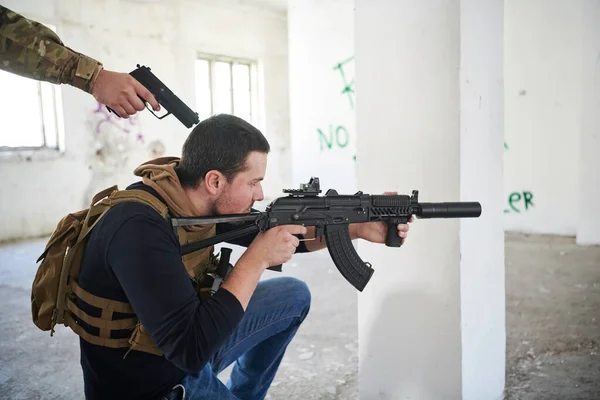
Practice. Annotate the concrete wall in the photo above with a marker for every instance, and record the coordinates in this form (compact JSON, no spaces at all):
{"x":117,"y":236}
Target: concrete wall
{"x":542,"y":115}
{"x":101,"y":151}
{"x":543,"y":92}
{"x":588,"y":228}
{"x":542,"y":105}
{"x":322,"y":98}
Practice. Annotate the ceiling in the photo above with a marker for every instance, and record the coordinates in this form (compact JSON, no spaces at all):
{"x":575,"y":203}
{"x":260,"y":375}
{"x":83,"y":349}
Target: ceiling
{"x":279,"y":6}
{"x":276,"y":5}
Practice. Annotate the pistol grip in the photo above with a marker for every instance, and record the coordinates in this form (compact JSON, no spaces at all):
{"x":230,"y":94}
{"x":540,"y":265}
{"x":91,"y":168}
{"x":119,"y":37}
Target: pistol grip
{"x":112,"y":111}
{"x":277,"y":268}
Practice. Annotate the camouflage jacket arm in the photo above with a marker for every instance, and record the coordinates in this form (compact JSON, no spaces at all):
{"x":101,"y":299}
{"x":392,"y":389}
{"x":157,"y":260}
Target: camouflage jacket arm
{"x":32,"y":50}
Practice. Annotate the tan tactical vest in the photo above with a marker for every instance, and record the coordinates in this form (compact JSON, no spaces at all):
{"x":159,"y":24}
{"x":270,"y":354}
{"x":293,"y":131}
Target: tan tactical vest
{"x":55,"y":288}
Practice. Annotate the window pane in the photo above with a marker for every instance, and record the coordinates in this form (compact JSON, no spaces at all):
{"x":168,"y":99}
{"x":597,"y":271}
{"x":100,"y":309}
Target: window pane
{"x":20,"y":112}
{"x":48,"y":111}
{"x":222,"y":88}
{"x":241,"y":91}
{"x":203,"y":103}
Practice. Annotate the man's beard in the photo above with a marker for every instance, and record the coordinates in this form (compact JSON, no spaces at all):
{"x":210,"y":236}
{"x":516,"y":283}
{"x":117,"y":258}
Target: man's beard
{"x":214,"y":209}
{"x":215,"y":212}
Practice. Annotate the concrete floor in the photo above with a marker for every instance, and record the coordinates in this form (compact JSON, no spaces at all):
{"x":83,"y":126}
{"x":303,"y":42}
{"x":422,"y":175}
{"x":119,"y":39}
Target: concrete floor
{"x":553,"y":328}
{"x":553,"y":319}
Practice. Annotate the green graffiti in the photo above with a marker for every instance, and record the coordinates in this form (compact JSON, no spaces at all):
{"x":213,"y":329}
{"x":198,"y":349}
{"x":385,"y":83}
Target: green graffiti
{"x":337,"y":137}
{"x":348,"y":84}
{"x":519,"y":201}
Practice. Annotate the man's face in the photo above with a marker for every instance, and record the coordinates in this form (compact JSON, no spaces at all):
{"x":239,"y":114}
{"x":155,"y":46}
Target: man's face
{"x":239,"y":195}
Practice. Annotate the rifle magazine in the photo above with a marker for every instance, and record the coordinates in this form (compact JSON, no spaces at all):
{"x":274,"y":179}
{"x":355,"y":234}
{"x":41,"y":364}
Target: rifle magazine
{"x":345,"y":257}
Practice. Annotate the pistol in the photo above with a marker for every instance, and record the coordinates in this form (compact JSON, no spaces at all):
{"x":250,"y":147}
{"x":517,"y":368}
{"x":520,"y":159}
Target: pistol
{"x":165,"y":97}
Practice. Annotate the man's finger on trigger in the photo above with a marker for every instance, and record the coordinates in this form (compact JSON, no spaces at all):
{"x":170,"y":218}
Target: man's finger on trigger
{"x":146,"y":95}
{"x":296,"y":229}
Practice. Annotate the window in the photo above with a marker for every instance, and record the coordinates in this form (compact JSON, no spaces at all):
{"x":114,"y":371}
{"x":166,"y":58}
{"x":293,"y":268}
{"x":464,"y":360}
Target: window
{"x":226,"y":85}
{"x":31,"y":114}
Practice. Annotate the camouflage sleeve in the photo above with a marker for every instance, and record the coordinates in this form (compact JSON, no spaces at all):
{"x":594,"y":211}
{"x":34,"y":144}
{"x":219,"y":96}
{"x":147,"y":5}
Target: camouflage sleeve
{"x":32,"y":50}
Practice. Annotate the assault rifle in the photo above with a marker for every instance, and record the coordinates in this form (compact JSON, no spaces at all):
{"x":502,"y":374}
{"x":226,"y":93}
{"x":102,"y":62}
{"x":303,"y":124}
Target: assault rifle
{"x":165,"y":97}
{"x":331,"y":215}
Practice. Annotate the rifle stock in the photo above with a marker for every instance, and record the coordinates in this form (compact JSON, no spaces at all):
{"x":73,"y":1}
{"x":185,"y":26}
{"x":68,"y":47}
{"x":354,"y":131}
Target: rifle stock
{"x":331,"y":216}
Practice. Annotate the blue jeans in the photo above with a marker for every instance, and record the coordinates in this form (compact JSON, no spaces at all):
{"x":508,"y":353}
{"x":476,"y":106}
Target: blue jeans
{"x":274,"y":314}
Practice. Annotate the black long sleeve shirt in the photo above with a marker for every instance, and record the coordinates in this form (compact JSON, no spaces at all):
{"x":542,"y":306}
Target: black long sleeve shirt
{"x":133,"y":256}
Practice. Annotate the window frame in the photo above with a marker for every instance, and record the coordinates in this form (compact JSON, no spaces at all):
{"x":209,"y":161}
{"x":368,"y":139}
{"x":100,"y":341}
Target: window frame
{"x":53,"y":94}
{"x":253,"y":78}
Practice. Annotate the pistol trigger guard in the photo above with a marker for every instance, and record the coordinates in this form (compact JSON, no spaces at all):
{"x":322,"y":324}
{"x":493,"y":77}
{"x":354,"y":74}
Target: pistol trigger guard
{"x":152,"y":111}
{"x":147,"y":108}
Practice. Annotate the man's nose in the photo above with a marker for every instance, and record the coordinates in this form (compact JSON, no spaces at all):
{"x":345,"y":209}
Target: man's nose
{"x":259,"y":196}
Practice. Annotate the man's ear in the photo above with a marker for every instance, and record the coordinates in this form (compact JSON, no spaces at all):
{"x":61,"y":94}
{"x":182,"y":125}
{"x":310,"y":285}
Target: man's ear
{"x":214,"y":182}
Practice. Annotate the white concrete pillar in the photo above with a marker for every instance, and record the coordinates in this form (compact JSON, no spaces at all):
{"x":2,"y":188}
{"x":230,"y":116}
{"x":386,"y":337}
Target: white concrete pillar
{"x":322,"y":115}
{"x":588,"y":229}
{"x":429,"y":117}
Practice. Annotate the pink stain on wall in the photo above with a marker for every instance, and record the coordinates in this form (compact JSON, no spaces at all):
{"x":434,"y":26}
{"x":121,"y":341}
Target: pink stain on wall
{"x":126,"y":125}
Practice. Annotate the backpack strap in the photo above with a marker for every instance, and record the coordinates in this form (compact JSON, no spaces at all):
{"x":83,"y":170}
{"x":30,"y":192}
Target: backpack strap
{"x":99,"y":302}
{"x":97,"y":208}
{"x":141,"y":196}
{"x":111,"y":196}
{"x":73,"y":257}
{"x":63,"y":230}
{"x":93,"y":339}
{"x":141,"y":340}
{"x":101,"y":203}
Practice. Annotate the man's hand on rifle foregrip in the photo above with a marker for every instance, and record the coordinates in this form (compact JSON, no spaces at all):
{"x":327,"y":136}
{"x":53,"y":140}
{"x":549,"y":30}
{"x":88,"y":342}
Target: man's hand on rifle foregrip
{"x":376,"y":232}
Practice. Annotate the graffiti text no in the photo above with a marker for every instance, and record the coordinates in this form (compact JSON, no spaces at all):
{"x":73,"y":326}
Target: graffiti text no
{"x":337,"y":136}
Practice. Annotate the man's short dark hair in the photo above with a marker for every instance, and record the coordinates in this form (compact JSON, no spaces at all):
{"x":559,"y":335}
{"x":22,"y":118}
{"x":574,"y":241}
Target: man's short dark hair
{"x":221,"y":142}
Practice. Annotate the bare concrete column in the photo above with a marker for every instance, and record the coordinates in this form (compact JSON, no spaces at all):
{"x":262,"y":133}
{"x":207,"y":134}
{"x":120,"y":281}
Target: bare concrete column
{"x":429,"y":117}
{"x":588,"y":229}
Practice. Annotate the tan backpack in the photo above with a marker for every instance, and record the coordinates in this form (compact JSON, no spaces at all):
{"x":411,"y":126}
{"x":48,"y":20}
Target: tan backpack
{"x":55,"y":288}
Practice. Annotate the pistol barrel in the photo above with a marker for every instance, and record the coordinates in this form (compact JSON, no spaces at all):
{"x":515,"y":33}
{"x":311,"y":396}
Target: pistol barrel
{"x":166,"y":98}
